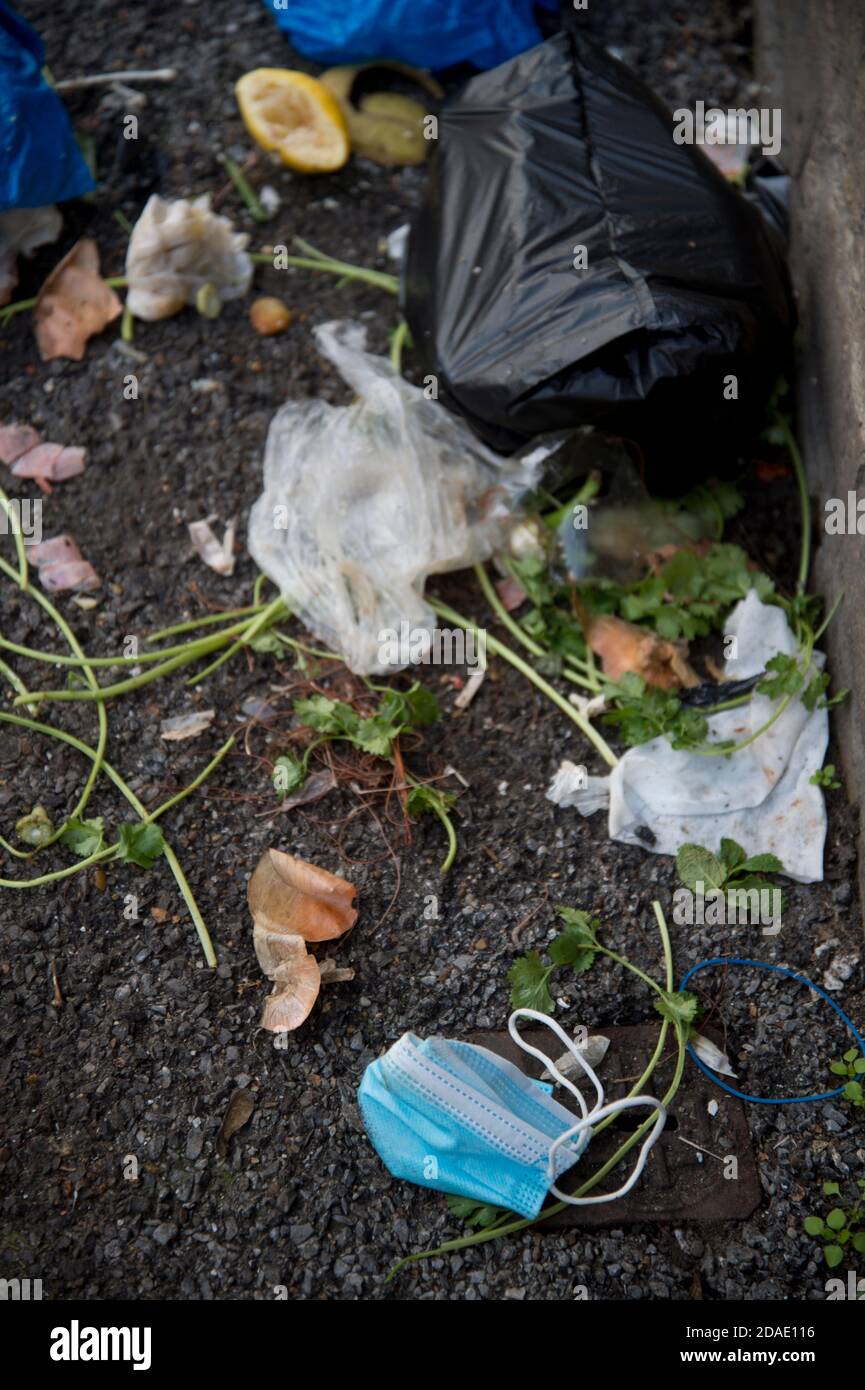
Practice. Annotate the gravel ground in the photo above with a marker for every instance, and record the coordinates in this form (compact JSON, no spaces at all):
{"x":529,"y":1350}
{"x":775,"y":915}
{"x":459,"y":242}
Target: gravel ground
{"x":148,"y":1046}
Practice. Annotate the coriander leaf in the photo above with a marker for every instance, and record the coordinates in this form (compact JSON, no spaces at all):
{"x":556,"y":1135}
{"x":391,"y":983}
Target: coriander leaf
{"x":580,"y":922}
{"x":528,"y":979}
{"x":141,"y":843}
{"x":421,"y":706}
{"x":689,"y":729}
{"x":728,"y":498}
{"x":266,"y":642}
{"x":643,"y":712}
{"x":327,"y":716}
{"x":682,"y":577}
{"x":695,"y":864}
{"x":479,"y":1214}
{"x":318,"y":712}
{"x":375,"y":735}
{"x":532,"y":574}
{"x":577,"y":944}
{"x":814,"y":691}
{"x":564,"y":950}
{"x":837,"y":699}
{"x":84,"y":837}
{"x":814,"y":696}
{"x":784,"y":677}
{"x":426,"y":798}
{"x":569,"y":948}
{"x":289,"y":773}
{"x":681,"y":1008}
{"x":825,"y":777}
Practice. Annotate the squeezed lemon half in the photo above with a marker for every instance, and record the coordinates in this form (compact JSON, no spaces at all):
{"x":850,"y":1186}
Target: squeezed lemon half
{"x":297,"y":116}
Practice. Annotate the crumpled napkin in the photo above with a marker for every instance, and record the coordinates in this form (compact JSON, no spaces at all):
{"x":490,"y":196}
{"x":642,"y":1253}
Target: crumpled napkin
{"x":660,"y":798}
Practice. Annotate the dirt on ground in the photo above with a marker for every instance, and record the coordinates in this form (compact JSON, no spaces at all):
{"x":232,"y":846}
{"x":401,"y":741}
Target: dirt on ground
{"x":113,"y":1184}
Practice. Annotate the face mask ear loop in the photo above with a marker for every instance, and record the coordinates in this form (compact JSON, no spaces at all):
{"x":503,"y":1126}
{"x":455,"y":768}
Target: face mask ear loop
{"x":615,"y":1106}
{"x":551,"y":1066}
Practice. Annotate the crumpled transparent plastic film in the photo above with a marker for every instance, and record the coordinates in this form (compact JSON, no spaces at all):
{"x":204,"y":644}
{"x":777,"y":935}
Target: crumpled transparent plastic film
{"x":362,"y":502}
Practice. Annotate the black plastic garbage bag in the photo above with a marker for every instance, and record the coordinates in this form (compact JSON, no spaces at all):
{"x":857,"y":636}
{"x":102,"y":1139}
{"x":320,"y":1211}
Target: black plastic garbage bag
{"x":686,"y":284}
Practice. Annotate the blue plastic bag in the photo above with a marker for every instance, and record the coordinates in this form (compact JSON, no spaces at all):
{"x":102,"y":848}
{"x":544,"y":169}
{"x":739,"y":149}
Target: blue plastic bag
{"x":39,"y":160}
{"x":426,"y":33}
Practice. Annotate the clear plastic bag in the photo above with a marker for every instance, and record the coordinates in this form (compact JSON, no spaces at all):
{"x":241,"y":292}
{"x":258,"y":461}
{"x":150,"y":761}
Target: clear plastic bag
{"x":362,"y":502}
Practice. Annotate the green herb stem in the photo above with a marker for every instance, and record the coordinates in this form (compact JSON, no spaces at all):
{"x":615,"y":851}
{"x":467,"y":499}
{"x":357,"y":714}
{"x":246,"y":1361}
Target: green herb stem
{"x":30,"y":700}
{"x":440,"y":811}
{"x":272,"y":613}
{"x":245,"y":190}
{"x":126,"y":790}
{"x":193,"y":623}
{"x":499,"y":649}
{"x":517,"y":630}
{"x":708,"y":751}
{"x":400,"y":334}
{"x":23,"y":577}
{"x":316,"y":260}
{"x":96,"y":662}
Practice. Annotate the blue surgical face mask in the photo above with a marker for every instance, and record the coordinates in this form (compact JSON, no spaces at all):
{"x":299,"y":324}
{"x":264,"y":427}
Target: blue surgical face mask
{"x":460,"y":1119}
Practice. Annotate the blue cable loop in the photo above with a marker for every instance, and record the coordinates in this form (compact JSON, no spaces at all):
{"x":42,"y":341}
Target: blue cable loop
{"x":800,"y":980}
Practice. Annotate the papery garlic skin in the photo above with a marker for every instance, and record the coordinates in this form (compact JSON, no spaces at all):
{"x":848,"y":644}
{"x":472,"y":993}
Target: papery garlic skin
{"x":177,"y":247}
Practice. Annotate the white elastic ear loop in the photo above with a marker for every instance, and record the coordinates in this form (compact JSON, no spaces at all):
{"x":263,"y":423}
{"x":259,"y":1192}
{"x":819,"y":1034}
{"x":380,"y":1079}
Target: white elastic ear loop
{"x":551,"y":1066}
{"x":628,"y":1103}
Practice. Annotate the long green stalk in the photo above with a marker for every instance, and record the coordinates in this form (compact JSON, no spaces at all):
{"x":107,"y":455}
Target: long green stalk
{"x":245,"y":190}
{"x":446,"y":821}
{"x":272,"y":613}
{"x":517,"y":630}
{"x":29,"y":700}
{"x":317,"y":260}
{"x":98,"y":662}
{"x":400,"y":334}
{"x":499,"y":649}
{"x":21,"y":549}
{"x":145,"y":815}
{"x":190,"y":651}
{"x":17,"y":684}
{"x":192,"y":623}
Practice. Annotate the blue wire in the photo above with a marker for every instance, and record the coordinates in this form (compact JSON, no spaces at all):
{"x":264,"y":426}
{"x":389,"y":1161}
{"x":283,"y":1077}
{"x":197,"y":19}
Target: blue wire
{"x":800,"y":980}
